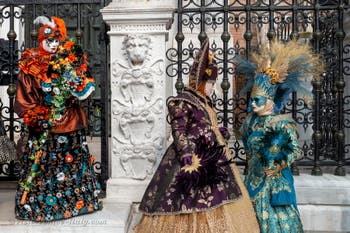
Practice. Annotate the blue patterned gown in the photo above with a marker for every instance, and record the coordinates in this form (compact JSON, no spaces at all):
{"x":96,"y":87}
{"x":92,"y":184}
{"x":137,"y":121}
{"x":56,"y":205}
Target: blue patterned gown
{"x":269,"y":140}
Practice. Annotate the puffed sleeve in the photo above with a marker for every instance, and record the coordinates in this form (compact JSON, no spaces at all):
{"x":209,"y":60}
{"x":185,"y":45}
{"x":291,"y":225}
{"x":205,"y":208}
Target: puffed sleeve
{"x":283,"y":146}
{"x":294,"y":146}
{"x":179,"y":112}
{"x":26,"y":95}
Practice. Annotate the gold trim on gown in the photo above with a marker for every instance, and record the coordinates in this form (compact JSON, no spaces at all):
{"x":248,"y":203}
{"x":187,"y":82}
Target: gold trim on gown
{"x":234,"y":217}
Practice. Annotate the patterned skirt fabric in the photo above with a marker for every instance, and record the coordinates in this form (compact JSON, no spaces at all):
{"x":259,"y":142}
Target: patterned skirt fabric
{"x":276,"y":219}
{"x":233,"y":217}
{"x":65,"y":185}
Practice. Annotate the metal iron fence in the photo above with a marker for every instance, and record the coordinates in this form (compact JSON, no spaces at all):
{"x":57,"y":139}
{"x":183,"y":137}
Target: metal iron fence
{"x":84,"y":22}
{"x":236,"y":28}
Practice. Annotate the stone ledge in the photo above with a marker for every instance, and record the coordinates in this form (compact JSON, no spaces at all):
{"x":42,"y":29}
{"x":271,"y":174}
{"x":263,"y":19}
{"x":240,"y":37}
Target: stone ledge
{"x":325,"y":218}
{"x":327,"y":189}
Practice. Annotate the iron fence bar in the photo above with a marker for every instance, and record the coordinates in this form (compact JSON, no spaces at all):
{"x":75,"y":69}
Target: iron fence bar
{"x":225,"y":84}
{"x":56,"y":9}
{"x":79,"y":33}
{"x":202,"y":34}
{"x":248,"y":34}
{"x":11,"y":90}
{"x":340,"y":84}
{"x":294,"y":36}
{"x":294,"y":167}
{"x":179,"y":38}
{"x":317,"y":136}
{"x":34,"y":32}
{"x":271,"y":33}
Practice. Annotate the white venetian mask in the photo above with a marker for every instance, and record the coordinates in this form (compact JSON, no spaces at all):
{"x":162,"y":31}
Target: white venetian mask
{"x":50,"y":45}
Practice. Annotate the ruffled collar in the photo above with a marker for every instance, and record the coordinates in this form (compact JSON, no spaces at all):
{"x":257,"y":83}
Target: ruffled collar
{"x":35,"y":62}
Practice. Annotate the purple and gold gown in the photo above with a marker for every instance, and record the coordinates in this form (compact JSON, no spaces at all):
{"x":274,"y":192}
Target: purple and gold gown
{"x":223,"y":207}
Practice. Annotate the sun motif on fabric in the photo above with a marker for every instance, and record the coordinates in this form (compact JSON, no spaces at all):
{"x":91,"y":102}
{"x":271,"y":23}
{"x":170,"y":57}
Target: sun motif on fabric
{"x":193,"y":167}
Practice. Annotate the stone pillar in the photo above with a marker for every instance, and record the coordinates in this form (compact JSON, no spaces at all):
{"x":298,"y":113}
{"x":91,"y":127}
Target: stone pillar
{"x":138,"y":34}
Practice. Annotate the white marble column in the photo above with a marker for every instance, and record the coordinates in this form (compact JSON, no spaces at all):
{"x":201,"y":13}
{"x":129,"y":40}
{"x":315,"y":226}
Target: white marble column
{"x":138,"y":34}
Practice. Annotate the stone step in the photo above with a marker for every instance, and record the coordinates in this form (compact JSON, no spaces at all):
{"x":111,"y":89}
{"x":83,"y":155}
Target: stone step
{"x":327,"y":189}
{"x":111,"y":219}
{"x":324,"y":204}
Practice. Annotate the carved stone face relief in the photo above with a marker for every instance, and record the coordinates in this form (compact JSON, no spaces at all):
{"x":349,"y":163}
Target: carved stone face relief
{"x":136,"y":48}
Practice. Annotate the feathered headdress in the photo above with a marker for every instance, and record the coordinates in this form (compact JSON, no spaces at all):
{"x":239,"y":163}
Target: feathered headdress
{"x":204,"y":67}
{"x":51,"y":27}
{"x":277,"y":71}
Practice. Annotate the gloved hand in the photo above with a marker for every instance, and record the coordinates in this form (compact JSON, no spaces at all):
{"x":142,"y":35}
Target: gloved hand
{"x":72,"y":102}
{"x":187,"y":160}
{"x":271,"y":172}
{"x":224,"y":132}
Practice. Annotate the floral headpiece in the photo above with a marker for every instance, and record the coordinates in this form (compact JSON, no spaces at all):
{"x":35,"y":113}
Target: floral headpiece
{"x":277,"y":71}
{"x":204,"y":67}
{"x":51,"y":27}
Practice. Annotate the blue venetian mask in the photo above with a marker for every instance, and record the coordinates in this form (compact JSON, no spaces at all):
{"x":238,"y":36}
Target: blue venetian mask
{"x":258,"y":100}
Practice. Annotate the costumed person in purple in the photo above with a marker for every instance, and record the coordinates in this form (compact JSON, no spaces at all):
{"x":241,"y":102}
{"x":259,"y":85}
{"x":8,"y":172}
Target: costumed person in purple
{"x":270,"y":138}
{"x":57,"y":180}
{"x":196,"y":187}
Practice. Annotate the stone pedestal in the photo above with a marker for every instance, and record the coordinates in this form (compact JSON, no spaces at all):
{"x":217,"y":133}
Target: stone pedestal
{"x":138,"y":34}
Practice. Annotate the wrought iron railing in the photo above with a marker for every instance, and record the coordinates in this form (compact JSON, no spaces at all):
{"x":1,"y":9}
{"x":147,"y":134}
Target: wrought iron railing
{"x":238,"y":27}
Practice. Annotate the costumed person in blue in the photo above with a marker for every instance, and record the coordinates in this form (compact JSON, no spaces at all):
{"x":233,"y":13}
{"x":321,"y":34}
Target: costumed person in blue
{"x":57,"y":180}
{"x":270,"y":138}
{"x":196,"y":188}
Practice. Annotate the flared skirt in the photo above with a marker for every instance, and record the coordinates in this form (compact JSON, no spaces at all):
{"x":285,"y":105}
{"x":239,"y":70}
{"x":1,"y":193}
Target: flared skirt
{"x":62,"y":184}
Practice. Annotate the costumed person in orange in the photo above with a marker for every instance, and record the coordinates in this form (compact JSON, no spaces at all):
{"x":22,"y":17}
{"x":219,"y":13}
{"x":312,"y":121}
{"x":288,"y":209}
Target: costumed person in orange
{"x":57,"y":180}
{"x":270,"y":138}
{"x":197,"y":188}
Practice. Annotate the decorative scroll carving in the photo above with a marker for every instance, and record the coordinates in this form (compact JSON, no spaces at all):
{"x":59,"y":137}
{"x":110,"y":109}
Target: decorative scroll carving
{"x":137,"y":106}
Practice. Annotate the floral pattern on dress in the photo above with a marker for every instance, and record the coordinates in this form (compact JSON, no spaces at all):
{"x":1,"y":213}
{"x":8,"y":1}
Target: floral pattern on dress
{"x":65,"y":185}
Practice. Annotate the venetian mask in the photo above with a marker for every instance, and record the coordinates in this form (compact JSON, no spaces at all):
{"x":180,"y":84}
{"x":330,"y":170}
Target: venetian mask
{"x":50,"y":45}
{"x":258,"y":104}
{"x":209,"y":88}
